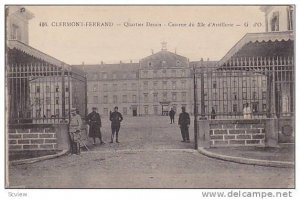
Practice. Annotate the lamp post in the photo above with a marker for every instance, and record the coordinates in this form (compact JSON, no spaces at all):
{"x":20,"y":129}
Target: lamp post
{"x":195,"y":108}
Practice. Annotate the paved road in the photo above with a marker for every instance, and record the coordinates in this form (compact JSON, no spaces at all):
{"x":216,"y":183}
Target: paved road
{"x":150,"y":155}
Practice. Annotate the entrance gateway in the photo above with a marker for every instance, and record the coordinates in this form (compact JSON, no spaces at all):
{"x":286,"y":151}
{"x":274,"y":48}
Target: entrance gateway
{"x":164,"y":108}
{"x":134,"y":110}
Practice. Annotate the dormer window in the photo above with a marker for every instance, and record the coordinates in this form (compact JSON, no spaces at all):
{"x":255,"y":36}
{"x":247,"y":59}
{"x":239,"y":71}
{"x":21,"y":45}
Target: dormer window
{"x":150,"y":64}
{"x":178,"y":63}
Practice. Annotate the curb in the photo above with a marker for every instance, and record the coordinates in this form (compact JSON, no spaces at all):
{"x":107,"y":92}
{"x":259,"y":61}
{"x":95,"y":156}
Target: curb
{"x":33,"y":160}
{"x":241,"y":160}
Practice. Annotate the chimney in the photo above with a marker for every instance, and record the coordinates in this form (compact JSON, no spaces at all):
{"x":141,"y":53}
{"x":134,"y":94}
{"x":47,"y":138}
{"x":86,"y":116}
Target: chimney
{"x":82,"y":63}
{"x":201,"y":61}
{"x":101,"y":62}
{"x":120,"y":62}
{"x":152,"y":51}
{"x":131,"y":61}
{"x":207,"y":59}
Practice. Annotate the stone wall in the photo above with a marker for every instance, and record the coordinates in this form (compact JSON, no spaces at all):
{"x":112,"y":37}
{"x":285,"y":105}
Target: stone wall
{"x":237,"y":132}
{"x":37,"y":137}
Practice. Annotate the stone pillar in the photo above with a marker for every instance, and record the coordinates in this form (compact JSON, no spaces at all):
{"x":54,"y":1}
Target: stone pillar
{"x":271,"y":132}
{"x":203,"y":130}
{"x":62,"y":135}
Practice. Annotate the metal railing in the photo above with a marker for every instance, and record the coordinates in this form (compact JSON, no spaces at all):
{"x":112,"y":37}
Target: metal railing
{"x":266,"y":84}
{"x":41,"y":93}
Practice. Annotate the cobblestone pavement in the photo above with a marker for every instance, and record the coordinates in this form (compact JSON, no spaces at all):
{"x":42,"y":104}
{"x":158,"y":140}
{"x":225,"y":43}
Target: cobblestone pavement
{"x":150,"y":155}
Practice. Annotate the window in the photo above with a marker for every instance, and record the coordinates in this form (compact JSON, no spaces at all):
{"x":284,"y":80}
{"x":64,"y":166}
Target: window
{"x":155,"y":110}
{"x":105,"y":111}
{"x":164,"y":72}
{"x":174,"y":97}
{"x":225,"y":109}
{"x":48,"y":100}
{"x":244,"y":95}
{"x":146,"y":97}
{"x":38,"y":113}
{"x":253,"y":83}
{"x":214,"y":96}
{"x":254,"y":95}
{"x":275,"y":22}
{"x":95,"y":99}
{"x":114,"y":76}
{"x":95,"y":87}
{"x":225,"y":96}
{"x":183,"y":84}
{"x":134,"y":98}
{"x":57,"y":112}
{"x":155,"y":85}
{"x":154,"y":73}
{"x":146,"y":110}
{"x":124,"y":98}
{"x":48,"y":89}
{"x":145,"y":73}
{"x":255,"y":107}
{"x":155,"y":99}
{"x":15,"y":32}
{"x":183,"y":96}
{"x":244,"y":83}
{"x":38,"y":89}
{"x":145,"y":85}
{"x":125,"y":110}
{"x":174,"y":85}
{"x":214,"y":84}
{"x":164,"y":84}
{"x":133,"y":86}
{"x":224,"y":83}
{"x":105,"y":87}
{"x":234,"y":108}
{"x":165,"y":96}
{"x":264,"y":83}
{"x":115,"y":99}
{"x":173,"y":73}
{"x":105,"y":99}
{"x":57,"y":89}
{"x":205,"y":96}
{"x":57,"y":100}
{"x":149,"y":63}
{"x":234,"y":96}
{"x":48,"y":112}
{"x":264,"y":95}
{"x":183,"y":73}
{"x":125,"y":86}
{"x":95,"y":76}
{"x":264,"y":106}
{"x":104,"y":75}
{"x":67,"y":100}
{"x":67,"y":89}
{"x":115,"y":87}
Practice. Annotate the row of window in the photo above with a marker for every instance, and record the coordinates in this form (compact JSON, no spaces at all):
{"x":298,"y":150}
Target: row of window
{"x":236,"y":83}
{"x":38,"y":89}
{"x":146,"y":85}
{"x":245,"y":95}
{"x":234,"y":108}
{"x":163,"y":73}
{"x":163,"y":63}
{"x":164,"y":97}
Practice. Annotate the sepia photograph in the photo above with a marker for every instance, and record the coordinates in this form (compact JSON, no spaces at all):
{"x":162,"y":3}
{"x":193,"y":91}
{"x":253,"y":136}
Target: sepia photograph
{"x":150,"y":97}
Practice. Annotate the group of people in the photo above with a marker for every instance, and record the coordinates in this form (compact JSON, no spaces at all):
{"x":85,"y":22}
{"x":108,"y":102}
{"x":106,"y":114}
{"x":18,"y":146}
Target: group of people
{"x":94,"y":121}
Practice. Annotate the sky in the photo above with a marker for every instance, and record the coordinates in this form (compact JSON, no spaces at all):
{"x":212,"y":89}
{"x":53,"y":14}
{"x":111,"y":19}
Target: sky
{"x":115,"y":43}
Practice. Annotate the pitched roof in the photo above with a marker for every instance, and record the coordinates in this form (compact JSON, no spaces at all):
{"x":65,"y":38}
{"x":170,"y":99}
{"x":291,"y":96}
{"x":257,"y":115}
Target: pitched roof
{"x":109,"y":67}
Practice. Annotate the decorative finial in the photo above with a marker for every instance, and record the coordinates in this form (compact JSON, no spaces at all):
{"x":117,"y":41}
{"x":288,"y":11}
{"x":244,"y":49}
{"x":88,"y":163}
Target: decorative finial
{"x":163,"y":45}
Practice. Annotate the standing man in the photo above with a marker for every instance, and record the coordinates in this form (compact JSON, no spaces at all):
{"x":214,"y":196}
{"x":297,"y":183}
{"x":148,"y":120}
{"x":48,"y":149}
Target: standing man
{"x":74,"y":130}
{"x":116,"y":119}
{"x":172,"y":115}
{"x":213,"y":113}
{"x":184,"y":122}
{"x":94,"y":121}
{"x":247,"y":112}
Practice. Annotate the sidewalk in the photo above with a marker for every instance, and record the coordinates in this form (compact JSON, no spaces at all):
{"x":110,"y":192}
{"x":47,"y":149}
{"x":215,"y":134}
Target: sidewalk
{"x":283,"y":156}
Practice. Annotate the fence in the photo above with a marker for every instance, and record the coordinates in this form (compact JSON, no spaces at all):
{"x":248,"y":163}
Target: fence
{"x":42,"y":94}
{"x":266,"y":84}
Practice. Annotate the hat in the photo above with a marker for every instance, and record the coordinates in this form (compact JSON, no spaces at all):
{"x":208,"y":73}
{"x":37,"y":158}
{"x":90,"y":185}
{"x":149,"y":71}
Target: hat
{"x":73,"y":110}
{"x":116,"y":107}
{"x":94,"y":108}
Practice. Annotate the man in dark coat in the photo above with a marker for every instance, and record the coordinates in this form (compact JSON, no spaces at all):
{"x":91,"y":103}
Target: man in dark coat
{"x":94,"y":121}
{"x":116,"y":119}
{"x":172,"y":115}
{"x":213,"y":113}
{"x":184,"y":122}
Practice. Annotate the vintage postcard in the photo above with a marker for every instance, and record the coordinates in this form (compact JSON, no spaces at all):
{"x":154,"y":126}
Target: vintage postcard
{"x":153,"y":96}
